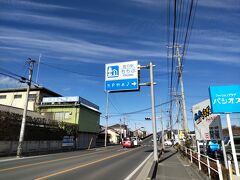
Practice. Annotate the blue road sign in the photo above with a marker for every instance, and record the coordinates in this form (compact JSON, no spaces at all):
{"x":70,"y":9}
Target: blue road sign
{"x":225,"y":99}
{"x":122,"y":85}
{"x":121,"y":76}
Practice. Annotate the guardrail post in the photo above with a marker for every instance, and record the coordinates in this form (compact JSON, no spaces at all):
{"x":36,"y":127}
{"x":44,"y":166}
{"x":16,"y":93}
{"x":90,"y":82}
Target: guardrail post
{"x":191,"y":155}
{"x":186,"y":151}
{"x":230,"y":170}
{"x":199,"y":161}
{"x":209,"y":171}
{"x":219,"y":170}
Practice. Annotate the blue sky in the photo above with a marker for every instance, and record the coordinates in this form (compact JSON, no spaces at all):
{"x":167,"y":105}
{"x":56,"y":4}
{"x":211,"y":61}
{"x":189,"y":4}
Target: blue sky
{"x":82,"y":36}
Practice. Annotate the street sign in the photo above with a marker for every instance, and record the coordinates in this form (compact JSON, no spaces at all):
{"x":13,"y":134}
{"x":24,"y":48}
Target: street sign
{"x":121,"y":76}
{"x":207,"y":125}
{"x":225,"y":99}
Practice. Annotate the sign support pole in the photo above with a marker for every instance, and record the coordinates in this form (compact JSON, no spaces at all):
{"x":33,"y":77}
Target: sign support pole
{"x":223,"y":147}
{"x":106,"y":128}
{"x":232,"y":144}
{"x":155,"y":151}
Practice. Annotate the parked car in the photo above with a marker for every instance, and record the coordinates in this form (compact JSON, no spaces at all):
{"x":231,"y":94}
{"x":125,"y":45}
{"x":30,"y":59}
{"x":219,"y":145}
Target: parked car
{"x":127,"y":143}
{"x":228,"y":147}
{"x":168,"y":143}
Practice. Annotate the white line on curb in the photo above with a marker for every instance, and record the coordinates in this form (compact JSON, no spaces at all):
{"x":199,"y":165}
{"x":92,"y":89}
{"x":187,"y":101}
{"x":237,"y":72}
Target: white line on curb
{"x":131,"y":175}
{"x":30,"y":157}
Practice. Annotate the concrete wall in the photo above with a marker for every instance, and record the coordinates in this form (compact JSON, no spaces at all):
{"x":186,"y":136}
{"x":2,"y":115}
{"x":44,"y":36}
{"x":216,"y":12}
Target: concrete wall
{"x":10,"y":147}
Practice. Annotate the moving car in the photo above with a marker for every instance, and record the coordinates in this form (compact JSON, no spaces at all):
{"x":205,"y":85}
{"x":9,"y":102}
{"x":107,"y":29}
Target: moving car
{"x":135,"y":141}
{"x":127,"y":143}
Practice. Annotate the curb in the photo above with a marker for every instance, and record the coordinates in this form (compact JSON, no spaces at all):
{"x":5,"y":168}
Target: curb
{"x":153,"y":171}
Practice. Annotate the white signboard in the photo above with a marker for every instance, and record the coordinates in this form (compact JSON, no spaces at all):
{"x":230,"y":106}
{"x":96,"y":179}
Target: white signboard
{"x":207,"y":126}
{"x":60,"y":99}
{"x":122,"y":76}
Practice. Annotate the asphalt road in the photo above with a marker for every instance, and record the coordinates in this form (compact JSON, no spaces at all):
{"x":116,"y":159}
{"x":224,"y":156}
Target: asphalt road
{"x":103,"y":163}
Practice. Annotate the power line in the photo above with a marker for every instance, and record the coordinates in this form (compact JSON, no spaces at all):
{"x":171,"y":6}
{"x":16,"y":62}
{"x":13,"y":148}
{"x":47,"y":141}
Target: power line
{"x":70,"y":71}
{"x":190,"y":32}
{"x":114,"y":105}
{"x":135,"y":112}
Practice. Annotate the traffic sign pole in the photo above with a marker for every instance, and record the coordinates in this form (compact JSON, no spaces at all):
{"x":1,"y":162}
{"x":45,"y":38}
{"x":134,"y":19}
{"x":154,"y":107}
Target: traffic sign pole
{"x":106,"y":128}
{"x":232,"y":144}
{"x":155,"y":150}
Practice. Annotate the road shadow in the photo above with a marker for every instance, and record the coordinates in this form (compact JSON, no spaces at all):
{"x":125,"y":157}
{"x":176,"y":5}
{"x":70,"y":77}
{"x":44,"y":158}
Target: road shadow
{"x":148,"y":151}
{"x":167,"y":157}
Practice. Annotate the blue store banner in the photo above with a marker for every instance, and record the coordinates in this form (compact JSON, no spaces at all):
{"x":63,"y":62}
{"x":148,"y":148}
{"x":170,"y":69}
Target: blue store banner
{"x":225,"y":99}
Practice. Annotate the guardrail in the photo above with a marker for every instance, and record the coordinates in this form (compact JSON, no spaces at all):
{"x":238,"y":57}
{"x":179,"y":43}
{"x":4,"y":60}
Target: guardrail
{"x":203,"y":161}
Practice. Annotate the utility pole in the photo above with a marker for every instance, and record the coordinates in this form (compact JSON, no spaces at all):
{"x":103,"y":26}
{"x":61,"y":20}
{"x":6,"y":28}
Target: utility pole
{"x":106,"y":128}
{"x":22,"y":131}
{"x":162,"y":130}
{"x":121,"y":130}
{"x":177,"y":120}
{"x":185,"y":122}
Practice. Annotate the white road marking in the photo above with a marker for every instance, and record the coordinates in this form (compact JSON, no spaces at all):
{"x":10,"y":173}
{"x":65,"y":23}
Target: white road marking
{"x":30,"y":157}
{"x":132,"y":174}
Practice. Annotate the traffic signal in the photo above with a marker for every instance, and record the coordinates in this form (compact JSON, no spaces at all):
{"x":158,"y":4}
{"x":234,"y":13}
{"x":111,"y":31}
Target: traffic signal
{"x":147,"y":118}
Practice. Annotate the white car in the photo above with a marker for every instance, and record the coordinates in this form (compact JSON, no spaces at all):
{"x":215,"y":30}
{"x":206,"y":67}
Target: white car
{"x":135,"y":141}
{"x":168,"y":143}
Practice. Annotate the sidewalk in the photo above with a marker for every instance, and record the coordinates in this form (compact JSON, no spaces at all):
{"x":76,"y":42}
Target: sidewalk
{"x":171,"y":167}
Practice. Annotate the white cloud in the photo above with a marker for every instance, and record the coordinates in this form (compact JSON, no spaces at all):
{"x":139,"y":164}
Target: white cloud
{"x":32,"y":5}
{"x":226,"y":4}
{"x":61,"y":47}
{"x":8,"y":82}
{"x":227,"y":59}
{"x":152,"y":3}
{"x":58,"y":22}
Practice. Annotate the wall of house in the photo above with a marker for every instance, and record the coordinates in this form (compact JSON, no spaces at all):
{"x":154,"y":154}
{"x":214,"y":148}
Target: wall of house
{"x":86,"y":140}
{"x":113,"y":137}
{"x":89,"y":120}
{"x":19,"y":102}
{"x":61,"y":113}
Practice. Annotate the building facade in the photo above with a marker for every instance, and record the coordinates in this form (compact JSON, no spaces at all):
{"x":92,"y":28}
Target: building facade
{"x":17,"y":97}
{"x":75,"y":110}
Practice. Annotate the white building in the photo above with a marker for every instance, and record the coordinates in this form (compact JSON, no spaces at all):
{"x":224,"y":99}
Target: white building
{"x":16,"y":97}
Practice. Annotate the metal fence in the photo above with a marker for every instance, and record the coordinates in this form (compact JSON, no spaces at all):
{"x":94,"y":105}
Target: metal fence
{"x":204,"y":163}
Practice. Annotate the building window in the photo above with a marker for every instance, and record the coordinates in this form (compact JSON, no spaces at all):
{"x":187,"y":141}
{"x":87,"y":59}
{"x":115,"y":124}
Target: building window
{"x":17,"y":96}
{"x":62,"y":116}
{"x":32,"y":97}
{"x":3,"y":96}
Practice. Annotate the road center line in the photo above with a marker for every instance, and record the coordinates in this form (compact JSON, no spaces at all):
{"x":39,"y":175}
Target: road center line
{"x":83,"y":165}
{"x":50,"y":161}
